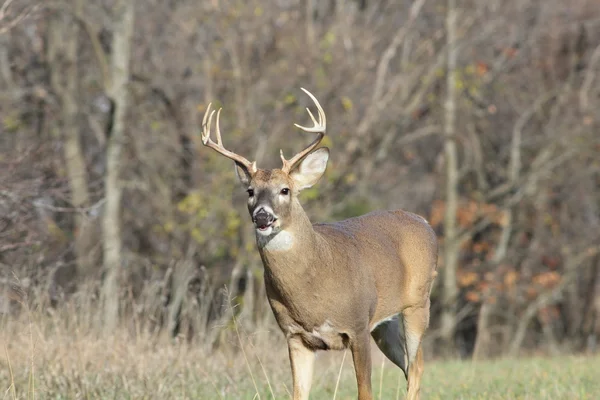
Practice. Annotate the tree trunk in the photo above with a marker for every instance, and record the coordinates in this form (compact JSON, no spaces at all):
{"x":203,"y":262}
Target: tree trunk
{"x":118,"y":92}
{"x":183,"y":272}
{"x":5,"y":71}
{"x":63,"y":45}
{"x":310,"y":26}
{"x":451,"y":243}
{"x":239,"y":83}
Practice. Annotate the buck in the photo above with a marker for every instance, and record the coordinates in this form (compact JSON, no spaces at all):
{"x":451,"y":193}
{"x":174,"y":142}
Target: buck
{"x":333,"y":285}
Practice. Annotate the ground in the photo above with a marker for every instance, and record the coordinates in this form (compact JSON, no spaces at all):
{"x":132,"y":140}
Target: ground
{"x":74,"y":366}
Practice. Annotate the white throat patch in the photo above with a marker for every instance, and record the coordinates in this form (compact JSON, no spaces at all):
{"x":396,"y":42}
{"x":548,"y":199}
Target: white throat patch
{"x":281,"y":241}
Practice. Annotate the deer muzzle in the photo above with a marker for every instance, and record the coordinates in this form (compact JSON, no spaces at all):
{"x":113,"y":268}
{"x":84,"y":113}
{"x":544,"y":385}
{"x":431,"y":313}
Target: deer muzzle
{"x":263,"y":219}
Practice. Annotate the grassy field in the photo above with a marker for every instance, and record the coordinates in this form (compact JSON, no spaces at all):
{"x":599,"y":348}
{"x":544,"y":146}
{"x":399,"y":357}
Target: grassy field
{"x":177,"y":372}
{"x":69,"y":363}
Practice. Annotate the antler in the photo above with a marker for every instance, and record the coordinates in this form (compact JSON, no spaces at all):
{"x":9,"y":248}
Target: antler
{"x":318,"y":128}
{"x":218,"y":147}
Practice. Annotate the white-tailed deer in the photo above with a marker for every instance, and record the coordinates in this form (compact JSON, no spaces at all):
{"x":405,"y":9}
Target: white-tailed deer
{"x":331,"y":286}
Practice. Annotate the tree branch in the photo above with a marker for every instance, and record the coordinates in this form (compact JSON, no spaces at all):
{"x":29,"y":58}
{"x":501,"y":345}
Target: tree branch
{"x":548,"y":297}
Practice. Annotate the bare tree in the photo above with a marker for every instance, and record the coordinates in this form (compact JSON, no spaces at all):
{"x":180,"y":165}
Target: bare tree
{"x":119,"y":94}
{"x":451,"y":241}
{"x":63,"y":46}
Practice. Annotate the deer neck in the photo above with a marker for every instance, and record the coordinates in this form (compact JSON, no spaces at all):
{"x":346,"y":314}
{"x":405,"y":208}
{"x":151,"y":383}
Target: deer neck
{"x":292,"y":248}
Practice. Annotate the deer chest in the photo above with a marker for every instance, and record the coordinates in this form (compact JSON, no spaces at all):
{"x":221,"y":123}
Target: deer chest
{"x":313,"y":322}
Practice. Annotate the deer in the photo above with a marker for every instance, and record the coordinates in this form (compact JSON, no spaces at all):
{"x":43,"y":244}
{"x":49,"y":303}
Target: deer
{"x":333,"y":286}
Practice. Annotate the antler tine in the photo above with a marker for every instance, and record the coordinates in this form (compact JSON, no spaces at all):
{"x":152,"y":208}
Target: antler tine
{"x":218,"y":147}
{"x":218,"y":131}
{"x":206,"y":132}
{"x":318,"y":128}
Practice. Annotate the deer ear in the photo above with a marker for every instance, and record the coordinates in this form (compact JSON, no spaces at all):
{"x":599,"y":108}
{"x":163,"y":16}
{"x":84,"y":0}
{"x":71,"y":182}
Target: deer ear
{"x":311,"y":169}
{"x":243,"y":174}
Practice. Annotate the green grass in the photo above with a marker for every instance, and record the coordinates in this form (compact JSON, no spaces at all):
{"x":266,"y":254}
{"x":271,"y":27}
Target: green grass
{"x":532,"y":378}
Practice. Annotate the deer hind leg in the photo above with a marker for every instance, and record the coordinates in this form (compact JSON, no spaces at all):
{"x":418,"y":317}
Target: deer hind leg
{"x":389,"y":337}
{"x":416,"y":321}
{"x":302,"y":360}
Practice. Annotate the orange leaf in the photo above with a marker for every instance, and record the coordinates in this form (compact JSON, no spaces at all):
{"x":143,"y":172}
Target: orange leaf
{"x":437,"y":213}
{"x":482,"y":68}
{"x":467,"y":278}
{"x":547,"y":279}
{"x":472,"y":296}
{"x":510,"y":278}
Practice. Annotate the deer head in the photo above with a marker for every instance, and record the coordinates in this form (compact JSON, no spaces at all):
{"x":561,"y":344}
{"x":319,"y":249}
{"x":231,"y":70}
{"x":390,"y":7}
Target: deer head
{"x":272,"y":194}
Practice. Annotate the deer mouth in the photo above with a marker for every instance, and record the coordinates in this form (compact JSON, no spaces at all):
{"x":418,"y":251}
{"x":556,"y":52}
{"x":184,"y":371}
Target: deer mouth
{"x":263,"y":226}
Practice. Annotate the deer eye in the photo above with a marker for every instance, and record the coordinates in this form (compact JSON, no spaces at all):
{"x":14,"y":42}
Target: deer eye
{"x":285,"y":191}
{"x":250,"y":192}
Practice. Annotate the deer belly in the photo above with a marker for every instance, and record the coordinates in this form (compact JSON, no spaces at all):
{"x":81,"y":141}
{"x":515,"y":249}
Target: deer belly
{"x":323,"y":337}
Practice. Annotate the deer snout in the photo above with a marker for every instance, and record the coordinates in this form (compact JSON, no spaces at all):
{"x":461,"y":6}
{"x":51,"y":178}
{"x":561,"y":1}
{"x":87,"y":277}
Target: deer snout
{"x":263,"y":218}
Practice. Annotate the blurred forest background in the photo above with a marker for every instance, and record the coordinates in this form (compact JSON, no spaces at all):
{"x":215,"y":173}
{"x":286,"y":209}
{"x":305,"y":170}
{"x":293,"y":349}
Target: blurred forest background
{"x":482,"y":116}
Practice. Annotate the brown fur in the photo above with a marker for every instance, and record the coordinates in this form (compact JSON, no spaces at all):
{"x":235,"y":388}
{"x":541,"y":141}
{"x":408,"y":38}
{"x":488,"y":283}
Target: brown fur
{"x":348,"y":276}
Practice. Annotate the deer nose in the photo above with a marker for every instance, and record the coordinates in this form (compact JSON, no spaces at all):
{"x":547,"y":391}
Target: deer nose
{"x":263,"y":218}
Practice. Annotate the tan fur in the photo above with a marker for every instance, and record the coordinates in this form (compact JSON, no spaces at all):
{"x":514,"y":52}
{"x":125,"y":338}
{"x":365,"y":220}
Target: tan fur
{"x":332,"y":286}
{"x":352,"y":274}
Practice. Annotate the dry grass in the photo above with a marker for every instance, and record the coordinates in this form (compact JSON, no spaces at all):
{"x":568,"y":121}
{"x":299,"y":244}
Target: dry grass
{"x":68,"y":359}
{"x":60,"y":357}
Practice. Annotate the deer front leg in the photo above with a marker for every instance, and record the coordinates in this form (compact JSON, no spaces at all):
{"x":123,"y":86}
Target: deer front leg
{"x":361,"y":355}
{"x":302,"y":360}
